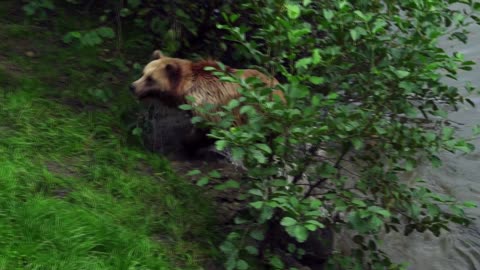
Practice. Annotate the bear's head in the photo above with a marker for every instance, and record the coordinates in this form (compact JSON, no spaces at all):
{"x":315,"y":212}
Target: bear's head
{"x":160,"y":77}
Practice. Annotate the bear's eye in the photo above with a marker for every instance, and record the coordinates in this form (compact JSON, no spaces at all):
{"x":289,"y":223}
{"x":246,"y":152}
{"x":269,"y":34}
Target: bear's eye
{"x":149,"y":79}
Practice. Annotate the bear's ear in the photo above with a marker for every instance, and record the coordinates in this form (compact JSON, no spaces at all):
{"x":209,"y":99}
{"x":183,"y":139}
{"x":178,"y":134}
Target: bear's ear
{"x":173,"y":70}
{"x":157,"y":54}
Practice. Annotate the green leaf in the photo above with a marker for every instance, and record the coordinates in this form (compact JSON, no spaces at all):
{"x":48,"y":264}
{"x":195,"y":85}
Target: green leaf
{"x":196,"y":119}
{"x":328,"y":14}
{"x":221,"y":144}
{"x":288,"y":221}
{"x":257,"y":235}
{"x":316,"y":223}
{"x":293,"y":11}
{"x":259,"y":156}
{"x":436,"y":161}
{"x":316,"y":80}
{"x":303,"y":63}
{"x":233,"y":104}
{"x":380,"y":130}
{"x":401,"y":73}
{"x":230,"y":184}
{"x":242,"y":265}
{"x":332,"y":96}
{"x":354,"y":34}
{"x":106,"y":32}
{"x":265,"y":214}
{"x":306,"y":2}
{"x":315,"y":203}
{"x":291,"y":248}
{"x":247,"y":109}
{"x":234,"y":17}
{"x":361,"y":15}
{"x":447,"y":133}
{"x":214,"y":174}
{"x":470,"y":204}
{"x":227,"y":247}
{"x":359,"y":202}
{"x":433,"y":210}
{"x":185,"y":107}
{"x":316,"y":57}
{"x":190,"y":99}
{"x":277,"y":263}
{"x":300,"y":233}
{"x":310,"y":227}
{"x":203,"y":181}
{"x":440,"y":113}
{"x":460,"y":36}
{"x":257,"y":205}
{"x":256,"y":192}
{"x":375,"y":222}
{"x":379,"y":211}
{"x":408,"y":86}
{"x":193,"y":172}
{"x":70,"y":36}
{"x":264,"y":148}
{"x":476,"y":130}
{"x":464,"y":146}
{"x":209,"y":68}
{"x":231,"y":262}
{"x":137,"y":131}
{"x":410,"y":164}
{"x":238,"y":153}
{"x":251,"y":250}
{"x":476,"y":6}
{"x":378,"y":25}
{"x":357,"y":143}
{"x":134,"y":3}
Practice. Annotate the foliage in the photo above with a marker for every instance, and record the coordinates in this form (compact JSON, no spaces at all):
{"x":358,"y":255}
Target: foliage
{"x":364,"y":84}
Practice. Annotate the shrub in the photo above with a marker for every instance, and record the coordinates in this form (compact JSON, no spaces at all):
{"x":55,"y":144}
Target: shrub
{"x":366,"y":86}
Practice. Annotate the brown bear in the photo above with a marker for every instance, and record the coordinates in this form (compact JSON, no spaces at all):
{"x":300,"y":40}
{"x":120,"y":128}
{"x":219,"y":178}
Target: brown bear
{"x":172,"y":80}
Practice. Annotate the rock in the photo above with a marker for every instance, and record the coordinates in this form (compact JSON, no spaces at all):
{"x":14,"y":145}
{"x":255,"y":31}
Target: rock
{"x":30,"y":53}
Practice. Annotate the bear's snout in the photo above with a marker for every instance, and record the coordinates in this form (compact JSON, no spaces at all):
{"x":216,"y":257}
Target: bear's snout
{"x":132,"y":88}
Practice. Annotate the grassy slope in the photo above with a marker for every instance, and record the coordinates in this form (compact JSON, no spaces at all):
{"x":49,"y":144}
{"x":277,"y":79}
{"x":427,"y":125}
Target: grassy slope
{"x":73,"y":193}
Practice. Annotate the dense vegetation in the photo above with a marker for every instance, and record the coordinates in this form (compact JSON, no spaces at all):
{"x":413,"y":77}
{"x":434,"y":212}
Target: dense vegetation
{"x":366,"y":86}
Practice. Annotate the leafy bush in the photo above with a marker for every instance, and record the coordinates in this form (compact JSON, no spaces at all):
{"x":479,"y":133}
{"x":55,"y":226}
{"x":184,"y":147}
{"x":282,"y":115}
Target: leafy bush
{"x":365,"y":87}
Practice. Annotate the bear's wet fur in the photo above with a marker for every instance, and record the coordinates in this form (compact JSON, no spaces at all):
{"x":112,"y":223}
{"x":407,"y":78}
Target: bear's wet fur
{"x":172,"y":80}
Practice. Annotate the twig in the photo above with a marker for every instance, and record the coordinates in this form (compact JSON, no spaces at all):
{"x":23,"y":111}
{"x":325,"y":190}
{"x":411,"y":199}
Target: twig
{"x":346,"y":149}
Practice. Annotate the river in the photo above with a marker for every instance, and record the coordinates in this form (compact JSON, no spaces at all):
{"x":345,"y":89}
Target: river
{"x":458,"y":177}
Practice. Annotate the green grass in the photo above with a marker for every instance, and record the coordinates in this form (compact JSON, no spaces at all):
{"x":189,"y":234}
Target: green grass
{"x":75,"y":193}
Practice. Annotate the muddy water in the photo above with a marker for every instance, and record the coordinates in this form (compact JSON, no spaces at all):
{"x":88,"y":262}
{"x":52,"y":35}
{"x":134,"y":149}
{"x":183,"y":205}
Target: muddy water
{"x":458,"y":177}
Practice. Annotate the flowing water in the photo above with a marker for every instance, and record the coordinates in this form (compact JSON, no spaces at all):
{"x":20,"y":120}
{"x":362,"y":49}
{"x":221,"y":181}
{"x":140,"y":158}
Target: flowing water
{"x":459,"y":177}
